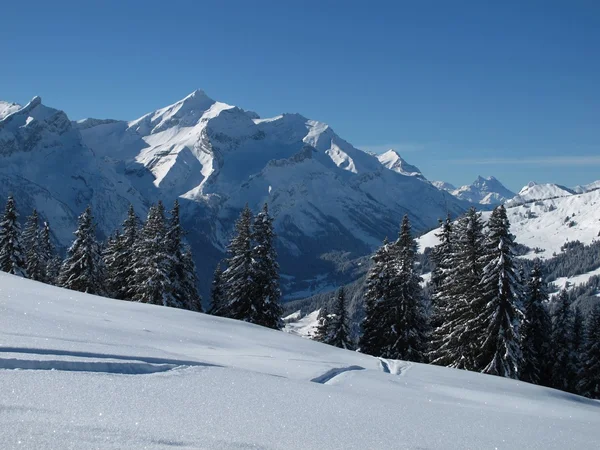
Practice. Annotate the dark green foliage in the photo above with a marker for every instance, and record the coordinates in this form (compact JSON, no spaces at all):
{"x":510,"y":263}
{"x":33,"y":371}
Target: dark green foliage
{"x":31,"y":245}
{"x":589,"y":382}
{"x":151,"y":260}
{"x":499,"y":310}
{"x":454,"y":342}
{"x":217,"y":293}
{"x":83,"y":269}
{"x":536,"y":330}
{"x":238,"y":276}
{"x":337,"y":327}
{"x":12,"y":259}
{"x":563,"y":367}
{"x":265,"y":272}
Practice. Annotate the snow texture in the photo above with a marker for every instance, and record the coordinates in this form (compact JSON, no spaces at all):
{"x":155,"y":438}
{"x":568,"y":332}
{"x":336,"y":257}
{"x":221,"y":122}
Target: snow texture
{"x":80,"y":371}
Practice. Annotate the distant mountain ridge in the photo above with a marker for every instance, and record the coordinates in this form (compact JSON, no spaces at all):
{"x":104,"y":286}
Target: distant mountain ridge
{"x":332,"y":202}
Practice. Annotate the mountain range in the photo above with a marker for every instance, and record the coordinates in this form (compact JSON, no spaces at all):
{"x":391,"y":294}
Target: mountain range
{"x":332,"y":202}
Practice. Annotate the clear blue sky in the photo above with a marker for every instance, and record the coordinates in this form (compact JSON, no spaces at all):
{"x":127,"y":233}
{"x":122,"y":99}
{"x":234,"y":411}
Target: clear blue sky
{"x":510,"y":89}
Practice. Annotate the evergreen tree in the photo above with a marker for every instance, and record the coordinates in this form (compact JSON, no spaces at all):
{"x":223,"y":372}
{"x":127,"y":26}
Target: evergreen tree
{"x":536,"y":330}
{"x":321,"y":333}
{"x":500,"y":306}
{"x":83,"y":269}
{"x":589,"y":383}
{"x":265,"y":273}
{"x":217,"y":293}
{"x":50,"y":261}
{"x":338,"y":333}
{"x":114,"y":263}
{"x":454,"y":342}
{"x":562,"y":343}
{"x":11,"y":252}
{"x":182,"y":270}
{"x":125,"y":260}
{"x":151,"y":261}
{"x":31,"y":245}
{"x":375,"y":326}
{"x":238,"y":276}
{"x":189,"y":281}
{"x":405,"y":306}
{"x":578,"y":349}
{"x":441,"y":257}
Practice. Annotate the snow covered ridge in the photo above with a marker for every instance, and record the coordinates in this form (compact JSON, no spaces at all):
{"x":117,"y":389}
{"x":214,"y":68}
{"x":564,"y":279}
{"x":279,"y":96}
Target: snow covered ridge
{"x":548,"y":224}
{"x":80,"y":371}
{"x":534,"y":191}
{"x":332,"y":202}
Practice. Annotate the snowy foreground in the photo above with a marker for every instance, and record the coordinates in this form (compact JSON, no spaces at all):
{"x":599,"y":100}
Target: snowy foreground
{"x":78,"y":371}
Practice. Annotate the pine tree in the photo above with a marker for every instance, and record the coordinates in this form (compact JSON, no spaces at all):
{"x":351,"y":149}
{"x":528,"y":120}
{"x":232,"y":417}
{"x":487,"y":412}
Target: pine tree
{"x":500,"y":307}
{"x":376,"y":326}
{"x":454,"y":341}
{"x":126,"y":260}
{"x":238,"y":276}
{"x":49,"y":260}
{"x":217,"y":293}
{"x":114,"y":263}
{"x":562,"y":343}
{"x":589,"y":383}
{"x":441,"y":257}
{"x":182,"y":270}
{"x":338,"y":333}
{"x":536,"y":330}
{"x":405,"y":306}
{"x":31,"y":245}
{"x":151,"y":261}
{"x":578,"y":349}
{"x":83,"y":269}
{"x":189,"y":281}
{"x":265,"y":273}
{"x":11,"y":252}
{"x":321,"y":333}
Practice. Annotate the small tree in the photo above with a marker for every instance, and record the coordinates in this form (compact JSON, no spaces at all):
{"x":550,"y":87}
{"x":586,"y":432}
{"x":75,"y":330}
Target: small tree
{"x":321,"y":333}
{"x":562,"y":343}
{"x":50,"y":261}
{"x":338,"y":333}
{"x":31,"y":246}
{"x":217,"y":293}
{"x":11,"y":253}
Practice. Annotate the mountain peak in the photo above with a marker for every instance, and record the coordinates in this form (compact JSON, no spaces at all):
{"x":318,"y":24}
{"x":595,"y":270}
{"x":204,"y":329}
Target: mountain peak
{"x":393,"y":161}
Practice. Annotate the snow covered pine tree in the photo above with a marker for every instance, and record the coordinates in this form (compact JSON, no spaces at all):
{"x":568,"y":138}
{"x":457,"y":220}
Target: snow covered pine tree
{"x":83,"y":269}
{"x":11,"y":253}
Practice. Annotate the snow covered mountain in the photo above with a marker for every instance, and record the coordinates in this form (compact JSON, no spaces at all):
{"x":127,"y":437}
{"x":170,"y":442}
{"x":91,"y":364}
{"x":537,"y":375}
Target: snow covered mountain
{"x":332,"y":202}
{"x":80,"y":371}
{"x":548,"y":224}
{"x":534,"y":191}
{"x":393,"y":161}
{"x":485,"y":191}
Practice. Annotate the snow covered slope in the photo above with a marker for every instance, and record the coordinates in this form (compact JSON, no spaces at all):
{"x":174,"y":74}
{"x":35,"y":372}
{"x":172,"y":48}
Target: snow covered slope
{"x":80,"y":371}
{"x":549,"y":224}
{"x":332,"y":202}
{"x":485,"y":191}
{"x":8,"y":108}
{"x":587,"y":187}
{"x":534,"y":191}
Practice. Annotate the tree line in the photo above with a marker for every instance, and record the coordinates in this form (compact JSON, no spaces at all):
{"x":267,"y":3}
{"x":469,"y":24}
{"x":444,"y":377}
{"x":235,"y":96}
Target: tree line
{"x":150,"y":262}
{"x":484,"y":312}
